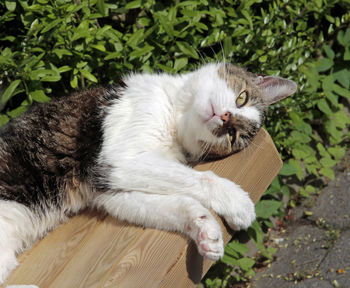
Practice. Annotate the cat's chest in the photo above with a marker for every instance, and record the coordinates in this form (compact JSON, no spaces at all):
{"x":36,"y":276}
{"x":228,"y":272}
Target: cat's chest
{"x":142,"y":122}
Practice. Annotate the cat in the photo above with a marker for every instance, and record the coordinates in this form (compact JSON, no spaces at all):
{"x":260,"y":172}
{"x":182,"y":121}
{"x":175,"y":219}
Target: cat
{"x":129,"y":151}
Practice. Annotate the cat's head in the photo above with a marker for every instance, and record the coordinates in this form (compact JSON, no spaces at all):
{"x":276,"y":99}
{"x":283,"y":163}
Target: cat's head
{"x":227,"y":108}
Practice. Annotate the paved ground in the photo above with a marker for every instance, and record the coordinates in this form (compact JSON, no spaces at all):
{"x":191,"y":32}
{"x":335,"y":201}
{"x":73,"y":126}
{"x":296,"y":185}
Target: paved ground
{"x":314,"y":250}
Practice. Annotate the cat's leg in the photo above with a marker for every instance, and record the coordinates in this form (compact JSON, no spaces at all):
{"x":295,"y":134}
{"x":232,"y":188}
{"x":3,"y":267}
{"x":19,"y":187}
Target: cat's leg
{"x":152,"y":173}
{"x":20,"y":227}
{"x":167,"y":212}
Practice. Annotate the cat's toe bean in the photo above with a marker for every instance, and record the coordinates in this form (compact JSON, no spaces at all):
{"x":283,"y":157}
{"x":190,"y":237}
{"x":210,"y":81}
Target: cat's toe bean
{"x":212,"y":251}
{"x":210,"y":243}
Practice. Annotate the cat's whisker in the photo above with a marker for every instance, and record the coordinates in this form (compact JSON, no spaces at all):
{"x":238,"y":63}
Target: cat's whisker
{"x":206,"y":151}
{"x":216,"y":59}
{"x":204,"y":61}
{"x":223,"y":54}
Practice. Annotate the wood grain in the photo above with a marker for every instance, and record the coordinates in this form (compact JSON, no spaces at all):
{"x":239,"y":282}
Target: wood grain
{"x":90,"y":251}
{"x":43,"y":262}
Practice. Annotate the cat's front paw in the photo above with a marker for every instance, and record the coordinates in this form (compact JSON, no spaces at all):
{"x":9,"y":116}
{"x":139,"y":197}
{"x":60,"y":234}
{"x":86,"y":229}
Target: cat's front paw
{"x":210,"y":244}
{"x":206,"y":232}
{"x":243,"y":215}
{"x":230,"y":201}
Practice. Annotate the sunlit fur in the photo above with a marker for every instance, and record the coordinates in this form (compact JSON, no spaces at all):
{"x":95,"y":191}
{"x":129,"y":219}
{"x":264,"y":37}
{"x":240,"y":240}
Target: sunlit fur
{"x":128,"y":151}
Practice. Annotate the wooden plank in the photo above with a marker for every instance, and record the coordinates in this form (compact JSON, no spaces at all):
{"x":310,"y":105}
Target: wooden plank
{"x":86,"y":252}
{"x":147,"y":260}
{"x":43,"y":262}
{"x":108,"y":242}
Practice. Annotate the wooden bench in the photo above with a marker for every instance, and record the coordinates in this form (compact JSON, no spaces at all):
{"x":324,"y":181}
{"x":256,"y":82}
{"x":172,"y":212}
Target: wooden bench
{"x":95,"y":251}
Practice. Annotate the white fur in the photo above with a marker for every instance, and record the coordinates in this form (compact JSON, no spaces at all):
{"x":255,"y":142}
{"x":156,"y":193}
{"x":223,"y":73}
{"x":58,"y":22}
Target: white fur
{"x":145,"y":135}
{"x":20,"y":228}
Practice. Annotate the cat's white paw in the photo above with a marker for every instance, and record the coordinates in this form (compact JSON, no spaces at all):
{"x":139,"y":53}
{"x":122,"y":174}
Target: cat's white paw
{"x":208,"y":237}
{"x":8,"y":262}
{"x":243,"y":215}
{"x":230,"y":201}
{"x":210,"y":245}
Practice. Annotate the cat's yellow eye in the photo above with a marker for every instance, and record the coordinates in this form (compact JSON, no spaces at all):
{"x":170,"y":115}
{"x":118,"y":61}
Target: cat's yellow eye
{"x":242,"y":99}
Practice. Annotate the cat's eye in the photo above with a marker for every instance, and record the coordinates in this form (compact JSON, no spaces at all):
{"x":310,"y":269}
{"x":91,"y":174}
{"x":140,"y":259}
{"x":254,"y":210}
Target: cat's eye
{"x":242,"y":99}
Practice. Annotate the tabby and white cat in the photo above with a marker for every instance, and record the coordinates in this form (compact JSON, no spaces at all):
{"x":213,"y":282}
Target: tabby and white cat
{"x":128,"y":151}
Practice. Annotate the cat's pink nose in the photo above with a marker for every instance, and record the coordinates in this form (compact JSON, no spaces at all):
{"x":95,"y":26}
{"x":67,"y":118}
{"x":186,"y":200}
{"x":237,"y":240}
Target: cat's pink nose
{"x":225,"y":117}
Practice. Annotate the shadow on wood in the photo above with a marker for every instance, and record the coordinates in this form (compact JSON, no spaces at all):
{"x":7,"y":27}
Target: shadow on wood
{"x":94,"y":251}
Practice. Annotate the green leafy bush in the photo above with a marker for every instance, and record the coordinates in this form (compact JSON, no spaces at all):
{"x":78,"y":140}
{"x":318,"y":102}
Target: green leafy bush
{"x":50,"y":48}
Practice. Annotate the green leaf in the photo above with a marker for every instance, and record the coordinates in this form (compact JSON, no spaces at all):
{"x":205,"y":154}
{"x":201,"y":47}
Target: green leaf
{"x":237,"y":247}
{"x":328,"y":172}
{"x":322,"y":150}
{"x":266,"y":208}
{"x":287,"y":170}
{"x":99,"y":47}
{"x":74,"y":82}
{"x":255,"y":232}
{"x":187,"y":49}
{"x":329,"y":52}
{"x":229,"y":260}
{"x":180,"y":63}
{"x":140,"y":52}
{"x":167,"y":25}
{"x":324,"y":107}
{"x":165,"y":68}
{"x":51,"y":25}
{"x":61,"y":52}
{"x":324,"y":64}
{"x":246,"y":263}
{"x":81,"y":64}
{"x":39,"y":96}
{"x":9,"y":91}
{"x":63,"y":69}
{"x":17,"y":112}
{"x":113,"y":55}
{"x":344,"y":37}
{"x":343,"y":76}
{"x":328,"y":162}
{"x":3,"y":119}
{"x":327,"y":83}
{"x":346,"y":54}
{"x":88,"y":75}
{"x":340,"y":119}
{"x":101,"y":7}
{"x":8,"y":38}
{"x":337,"y":152}
{"x":341,"y":91}
{"x":133,"y":4}
{"x":136,"y":38}
{"x":10,"y":5}
{"x":297,"y":165}
{"x":45,"y":75}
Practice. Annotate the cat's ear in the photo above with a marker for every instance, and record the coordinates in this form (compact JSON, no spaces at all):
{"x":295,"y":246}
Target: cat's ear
{"x":275,"y":88}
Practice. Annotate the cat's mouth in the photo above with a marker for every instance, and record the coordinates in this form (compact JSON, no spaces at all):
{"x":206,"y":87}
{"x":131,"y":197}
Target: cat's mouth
{"x":232,"y":134}
{"x":228,"y":130}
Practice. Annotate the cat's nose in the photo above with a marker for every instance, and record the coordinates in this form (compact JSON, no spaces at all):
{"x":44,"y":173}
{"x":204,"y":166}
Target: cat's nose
{"x":225,"y":117}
